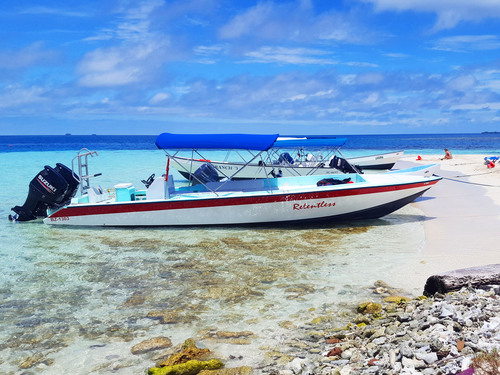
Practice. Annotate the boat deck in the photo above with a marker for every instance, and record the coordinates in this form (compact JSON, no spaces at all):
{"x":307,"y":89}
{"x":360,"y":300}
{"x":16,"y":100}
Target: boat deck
{"x":127,"y":193}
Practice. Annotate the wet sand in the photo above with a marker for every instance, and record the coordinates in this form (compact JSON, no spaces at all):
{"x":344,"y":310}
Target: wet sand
{"x":462,"y":217}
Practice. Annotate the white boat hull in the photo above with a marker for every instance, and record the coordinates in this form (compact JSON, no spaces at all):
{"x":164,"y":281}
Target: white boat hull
{"x":378,"y":196}
{"x":380,"y":161}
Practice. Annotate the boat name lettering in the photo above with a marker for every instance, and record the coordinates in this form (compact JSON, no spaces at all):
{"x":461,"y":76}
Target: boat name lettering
{"x":305,"y":206}
{"x":60,"y":218}
{"x":46,"y":183}
{"x":228,"y":167}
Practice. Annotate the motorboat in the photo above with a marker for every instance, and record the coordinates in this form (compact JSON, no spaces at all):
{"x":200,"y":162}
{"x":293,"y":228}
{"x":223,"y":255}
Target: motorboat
{"x":269,"y":201}
{"x":290,"y":156}
{"x":378,"y":161}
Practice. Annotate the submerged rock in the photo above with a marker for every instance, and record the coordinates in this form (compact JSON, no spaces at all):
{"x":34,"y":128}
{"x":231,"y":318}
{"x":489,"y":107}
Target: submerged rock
{"x":192,"y":367}
{"x":191,"y":360}
{"x":189,"y":352}
{"x":369,"y":308}
{"x":137,"y":298}
{"x":35,"y":360}
{"x":155,"y":343}
{"x":165,"y":316}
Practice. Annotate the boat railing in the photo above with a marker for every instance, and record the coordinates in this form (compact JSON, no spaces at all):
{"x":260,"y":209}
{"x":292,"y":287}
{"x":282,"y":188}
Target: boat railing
{"x":225,"y":178}
{"x":307,"y":159}
{"x":82,"y":168}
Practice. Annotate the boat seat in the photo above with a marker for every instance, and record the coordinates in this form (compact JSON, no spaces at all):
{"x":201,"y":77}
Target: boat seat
{"x":96,"y":194}
{"x":157,"y":189}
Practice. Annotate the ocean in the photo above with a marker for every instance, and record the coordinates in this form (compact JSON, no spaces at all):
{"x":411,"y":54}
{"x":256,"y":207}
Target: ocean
{"x":411,"y":143}
{"x":75,"y":300}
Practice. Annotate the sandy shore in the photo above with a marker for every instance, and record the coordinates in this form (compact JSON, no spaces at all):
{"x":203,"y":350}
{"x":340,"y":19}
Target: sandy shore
{"x":462,"y":225}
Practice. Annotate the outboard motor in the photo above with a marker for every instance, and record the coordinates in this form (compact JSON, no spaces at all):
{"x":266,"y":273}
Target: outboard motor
{"x":72,"y":179}
{"x":206,"y":173}
{"x":285,"y":158}
{"x":51,"y":188}
{"x":343,"y":165}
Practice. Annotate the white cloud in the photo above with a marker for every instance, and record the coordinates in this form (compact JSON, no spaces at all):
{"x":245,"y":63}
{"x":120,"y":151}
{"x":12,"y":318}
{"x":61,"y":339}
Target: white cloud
{"x":295,"y":21}
{"x":468,"y":43}
{"x":132,"y":25}
{"x":54,"y":11}
{"x":462,"y":83}
{"x":325,"y":93}
{"x":15,"y":96}
{"x":295,"y":98}
{"x":372,"y":98}
{"x":29,"y":56}
{"x":160,"y":97}
{"x":209,"y":54}
{"x":120,"y":66}
{"x":476,"y":107}
{"x":289,"y":56}
{"x":370,"y":79}
{"x":135,"y":59}
{"x":252,"y":19}
{"x":209,"y":50}
{"x":449,"y":12}
{"x":361,"y":64}
{"x":397,"y":55}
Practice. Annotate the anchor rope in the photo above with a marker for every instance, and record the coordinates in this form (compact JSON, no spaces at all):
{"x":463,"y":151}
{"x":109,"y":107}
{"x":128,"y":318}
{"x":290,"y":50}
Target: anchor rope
{"x":454,"y":178}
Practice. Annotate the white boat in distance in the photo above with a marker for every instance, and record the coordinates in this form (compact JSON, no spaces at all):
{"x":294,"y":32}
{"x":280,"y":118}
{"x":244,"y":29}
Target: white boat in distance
{"x":268,"y":201}
{"x":283,"y":162}
{"x":378,"y":161}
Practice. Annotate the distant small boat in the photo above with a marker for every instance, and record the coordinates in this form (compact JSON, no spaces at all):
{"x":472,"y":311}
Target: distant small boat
{"x":67,"y":134}
{"x":379,"y":161}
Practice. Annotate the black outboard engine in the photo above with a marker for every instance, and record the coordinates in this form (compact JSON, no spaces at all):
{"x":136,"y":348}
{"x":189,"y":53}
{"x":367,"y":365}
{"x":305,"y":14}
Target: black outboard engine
{"x":343,"y":165}
{"x":51,"y":188}
{"x":206,"y":173}
{"x":73,"y":182}
{"x":285,"y":158}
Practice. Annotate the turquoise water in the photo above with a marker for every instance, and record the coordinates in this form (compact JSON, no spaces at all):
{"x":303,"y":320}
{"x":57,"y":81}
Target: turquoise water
{"x":77,"y":299}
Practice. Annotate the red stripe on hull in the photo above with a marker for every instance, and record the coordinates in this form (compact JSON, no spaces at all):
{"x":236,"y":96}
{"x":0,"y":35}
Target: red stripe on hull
{"x":144,"y":206}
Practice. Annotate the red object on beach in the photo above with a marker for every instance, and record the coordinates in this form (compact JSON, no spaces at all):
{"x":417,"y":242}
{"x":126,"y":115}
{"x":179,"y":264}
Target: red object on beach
{"x":334,"y":352}
{"x":419,"y":157}
{"x":491,"y":165}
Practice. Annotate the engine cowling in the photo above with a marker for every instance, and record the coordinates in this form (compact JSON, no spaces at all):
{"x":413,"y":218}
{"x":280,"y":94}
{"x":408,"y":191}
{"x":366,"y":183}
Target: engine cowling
{"x":51,"y":188}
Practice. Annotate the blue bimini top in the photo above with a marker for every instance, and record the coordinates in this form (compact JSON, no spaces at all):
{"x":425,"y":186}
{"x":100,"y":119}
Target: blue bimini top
{"x":258,"y":142}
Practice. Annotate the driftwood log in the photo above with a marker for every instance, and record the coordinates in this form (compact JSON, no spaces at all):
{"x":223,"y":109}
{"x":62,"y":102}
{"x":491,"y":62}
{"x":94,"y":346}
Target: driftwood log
{"x":455,"y":280}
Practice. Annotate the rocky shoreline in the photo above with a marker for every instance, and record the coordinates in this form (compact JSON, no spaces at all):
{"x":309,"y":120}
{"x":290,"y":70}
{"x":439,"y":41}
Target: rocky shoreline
{"x":436,"y":335}
{"x":392,"y":334}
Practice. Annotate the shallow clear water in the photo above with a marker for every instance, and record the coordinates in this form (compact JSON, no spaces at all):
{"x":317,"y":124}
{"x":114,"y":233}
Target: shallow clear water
{"x":79,"y":299}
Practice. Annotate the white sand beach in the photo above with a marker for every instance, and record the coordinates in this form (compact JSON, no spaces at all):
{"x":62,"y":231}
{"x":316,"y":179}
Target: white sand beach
{"x":462,"y":227}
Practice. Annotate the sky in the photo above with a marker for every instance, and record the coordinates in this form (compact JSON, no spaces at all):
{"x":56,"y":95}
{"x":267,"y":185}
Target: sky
{"x":215,"y":66}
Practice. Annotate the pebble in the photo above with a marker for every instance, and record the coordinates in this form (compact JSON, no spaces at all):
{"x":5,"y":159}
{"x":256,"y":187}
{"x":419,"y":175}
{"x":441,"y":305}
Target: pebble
{"x":421,"y":336}
{"x":155,"y":343}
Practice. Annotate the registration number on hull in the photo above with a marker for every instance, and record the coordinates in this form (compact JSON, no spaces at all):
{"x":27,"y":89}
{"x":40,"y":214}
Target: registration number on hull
{"x":60,"y":218}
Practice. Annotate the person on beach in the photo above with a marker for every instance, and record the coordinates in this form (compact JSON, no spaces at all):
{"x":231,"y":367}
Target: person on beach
{"x":447,"y":154}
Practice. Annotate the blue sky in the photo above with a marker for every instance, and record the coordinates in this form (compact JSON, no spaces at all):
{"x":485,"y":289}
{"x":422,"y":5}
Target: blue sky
{"x":310,"y":67}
